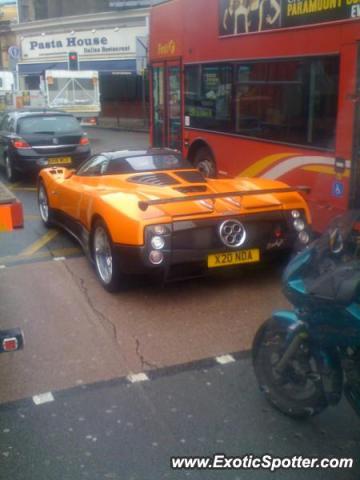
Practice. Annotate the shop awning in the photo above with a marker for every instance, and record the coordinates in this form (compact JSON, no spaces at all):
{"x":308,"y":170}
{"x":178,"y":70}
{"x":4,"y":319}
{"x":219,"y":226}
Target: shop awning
{"x":102,"y":66}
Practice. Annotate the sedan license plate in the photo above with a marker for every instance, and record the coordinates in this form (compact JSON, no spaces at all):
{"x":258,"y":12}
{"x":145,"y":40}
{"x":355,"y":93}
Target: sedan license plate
{"x":234,"y":258}
{"x":59,"y":160}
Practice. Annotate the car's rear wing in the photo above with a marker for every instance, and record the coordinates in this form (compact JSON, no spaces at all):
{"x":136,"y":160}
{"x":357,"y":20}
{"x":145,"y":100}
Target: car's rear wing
{"x":145,"y":204}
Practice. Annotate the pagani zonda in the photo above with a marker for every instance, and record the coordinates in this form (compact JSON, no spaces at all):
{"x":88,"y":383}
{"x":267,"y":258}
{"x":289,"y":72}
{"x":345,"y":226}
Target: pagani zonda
{"x":142,"y":211}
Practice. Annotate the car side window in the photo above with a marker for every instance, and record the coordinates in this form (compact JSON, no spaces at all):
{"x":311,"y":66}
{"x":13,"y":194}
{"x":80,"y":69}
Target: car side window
{"x":11,"y":125}
{"x":95,"y":166}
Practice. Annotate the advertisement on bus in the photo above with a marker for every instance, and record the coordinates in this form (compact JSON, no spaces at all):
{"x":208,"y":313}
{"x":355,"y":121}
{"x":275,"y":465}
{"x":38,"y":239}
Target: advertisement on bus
{"x":248,"y":16}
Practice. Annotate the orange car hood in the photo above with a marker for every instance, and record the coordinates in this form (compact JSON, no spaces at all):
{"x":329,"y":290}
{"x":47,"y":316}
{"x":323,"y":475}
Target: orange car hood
{"x":114,"y":188}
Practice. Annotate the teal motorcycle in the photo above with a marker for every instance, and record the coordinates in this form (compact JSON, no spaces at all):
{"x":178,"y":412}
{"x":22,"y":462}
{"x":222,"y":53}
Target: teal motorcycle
{"x":305,"y":359}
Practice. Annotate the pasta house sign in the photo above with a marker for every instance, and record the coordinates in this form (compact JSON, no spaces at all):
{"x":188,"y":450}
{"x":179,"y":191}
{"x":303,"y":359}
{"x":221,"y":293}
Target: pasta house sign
{"x":107,"y":42}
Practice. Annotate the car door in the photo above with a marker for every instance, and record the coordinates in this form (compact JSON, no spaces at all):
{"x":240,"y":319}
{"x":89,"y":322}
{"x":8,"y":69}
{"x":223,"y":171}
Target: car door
{"x":74,"y":192}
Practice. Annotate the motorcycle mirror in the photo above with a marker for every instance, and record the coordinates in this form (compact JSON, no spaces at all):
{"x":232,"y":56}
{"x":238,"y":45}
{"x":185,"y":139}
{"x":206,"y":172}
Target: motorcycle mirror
{"x":336,"y":241}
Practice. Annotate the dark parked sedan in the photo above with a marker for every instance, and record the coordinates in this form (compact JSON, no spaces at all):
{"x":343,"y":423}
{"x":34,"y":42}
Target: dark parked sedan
{"x":33,"y":139}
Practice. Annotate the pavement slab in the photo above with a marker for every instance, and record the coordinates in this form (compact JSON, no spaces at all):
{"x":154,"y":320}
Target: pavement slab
{"x":129,"y":431}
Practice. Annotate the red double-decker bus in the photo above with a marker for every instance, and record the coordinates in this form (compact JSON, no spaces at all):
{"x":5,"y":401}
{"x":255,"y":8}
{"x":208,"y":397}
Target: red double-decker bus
{"x":264,"y":88}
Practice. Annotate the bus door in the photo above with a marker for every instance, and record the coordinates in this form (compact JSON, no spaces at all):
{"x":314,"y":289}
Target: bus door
{"x":167,"y":105}
{"x":355,"y":164}
{"x":174,"y":105}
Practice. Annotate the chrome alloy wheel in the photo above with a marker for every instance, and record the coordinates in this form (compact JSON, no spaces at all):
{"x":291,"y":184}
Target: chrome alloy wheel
{"x":103,"y":254}
{"x":43,"y":203}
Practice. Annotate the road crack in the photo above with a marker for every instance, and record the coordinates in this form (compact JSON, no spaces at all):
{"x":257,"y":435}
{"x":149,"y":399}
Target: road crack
{"x":144,"y":363}
{"x":100,"y":316}
{"x":105,"y":321}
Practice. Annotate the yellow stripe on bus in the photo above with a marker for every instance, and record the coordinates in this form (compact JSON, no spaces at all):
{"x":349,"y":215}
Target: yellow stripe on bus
{"x":326,"y":170}
{"x":259,"y":166}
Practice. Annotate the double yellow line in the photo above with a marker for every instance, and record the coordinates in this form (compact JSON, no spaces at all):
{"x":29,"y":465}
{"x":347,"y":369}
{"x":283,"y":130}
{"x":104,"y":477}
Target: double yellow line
{"x":18,"y":187}
{"x":36,"y":246}
{"x":60,"y":252}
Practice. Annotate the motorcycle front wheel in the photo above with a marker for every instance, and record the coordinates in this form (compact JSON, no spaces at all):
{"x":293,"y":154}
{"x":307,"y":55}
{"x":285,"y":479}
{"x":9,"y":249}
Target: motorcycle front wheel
{"x":295,"y":390}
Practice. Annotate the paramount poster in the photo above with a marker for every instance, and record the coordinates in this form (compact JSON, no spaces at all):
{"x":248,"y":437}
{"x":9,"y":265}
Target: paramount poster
{"x":247,"y":16}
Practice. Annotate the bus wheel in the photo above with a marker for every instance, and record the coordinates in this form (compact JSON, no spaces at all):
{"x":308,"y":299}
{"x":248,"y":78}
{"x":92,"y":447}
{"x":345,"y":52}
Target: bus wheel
{"x":205,"y":162}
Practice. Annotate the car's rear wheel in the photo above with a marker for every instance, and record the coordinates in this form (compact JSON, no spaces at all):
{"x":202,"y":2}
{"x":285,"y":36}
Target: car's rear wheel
{"x":43,"y":203}
{"x":104,"y":257}
{"x":205,"y":162}
{"x":9,"y":169}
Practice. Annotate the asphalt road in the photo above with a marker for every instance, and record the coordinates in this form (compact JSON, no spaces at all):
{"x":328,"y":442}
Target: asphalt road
{"x":82,"y":344}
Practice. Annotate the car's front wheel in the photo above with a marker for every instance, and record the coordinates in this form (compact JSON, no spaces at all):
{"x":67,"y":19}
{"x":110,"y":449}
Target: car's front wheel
{"x":106,"y":266}
{"x":9,"y":169}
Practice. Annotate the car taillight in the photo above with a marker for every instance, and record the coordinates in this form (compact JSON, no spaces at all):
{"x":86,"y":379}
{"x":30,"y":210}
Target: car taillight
{"x":19,"y":143}
{"x":84,"y":141}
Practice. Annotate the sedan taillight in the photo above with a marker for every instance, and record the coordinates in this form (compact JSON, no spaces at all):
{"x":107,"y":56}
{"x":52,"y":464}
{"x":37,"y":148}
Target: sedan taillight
{"x":19,"y":143}
{"x":84,"y":141}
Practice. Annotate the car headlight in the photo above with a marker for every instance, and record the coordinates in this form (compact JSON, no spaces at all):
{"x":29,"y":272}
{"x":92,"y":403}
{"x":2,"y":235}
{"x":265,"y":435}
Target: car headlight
{"x":304,"y":237}
{"x":160,"y":229}
{"x":156,"y":257}
{"x":158,"y":242}
{"x":299,"y":225}
{"x":295,"y":214}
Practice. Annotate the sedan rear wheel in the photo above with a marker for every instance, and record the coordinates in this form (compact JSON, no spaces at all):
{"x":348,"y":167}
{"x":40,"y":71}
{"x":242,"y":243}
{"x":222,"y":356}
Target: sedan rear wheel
{"x":106,"y":267}
{"x":9,"y":170}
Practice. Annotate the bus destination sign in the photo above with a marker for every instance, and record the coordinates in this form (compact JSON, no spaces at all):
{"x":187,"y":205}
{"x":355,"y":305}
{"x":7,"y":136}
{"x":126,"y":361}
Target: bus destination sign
{"x":249,"y":16}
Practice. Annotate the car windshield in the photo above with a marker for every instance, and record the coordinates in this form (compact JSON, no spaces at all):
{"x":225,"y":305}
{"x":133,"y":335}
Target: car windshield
{"x":53,"y":124}
{"x":145,"y":163}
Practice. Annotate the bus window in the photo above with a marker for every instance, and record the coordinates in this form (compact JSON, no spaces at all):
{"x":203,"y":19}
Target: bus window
{"x":208,"y":97}
{"x":290,"y":101}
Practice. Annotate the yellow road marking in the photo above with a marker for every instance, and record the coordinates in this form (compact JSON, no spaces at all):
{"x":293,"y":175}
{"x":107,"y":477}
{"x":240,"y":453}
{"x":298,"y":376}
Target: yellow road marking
{"x":59,"y":252}
{"x":23,"y":189}
{"x":13,"y":185}
{"x":32,"y":217}
{"x":36,"y":246}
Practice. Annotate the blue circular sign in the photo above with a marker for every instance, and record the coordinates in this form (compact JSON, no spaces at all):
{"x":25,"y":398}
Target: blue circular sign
{"x":14,"y":52}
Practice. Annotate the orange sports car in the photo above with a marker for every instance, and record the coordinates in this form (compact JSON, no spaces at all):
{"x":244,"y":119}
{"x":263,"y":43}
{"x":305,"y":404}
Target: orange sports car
{"x":150,"y":211}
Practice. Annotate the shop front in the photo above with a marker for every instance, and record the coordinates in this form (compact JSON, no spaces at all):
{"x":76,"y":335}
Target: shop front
{"x":111,"y":48}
